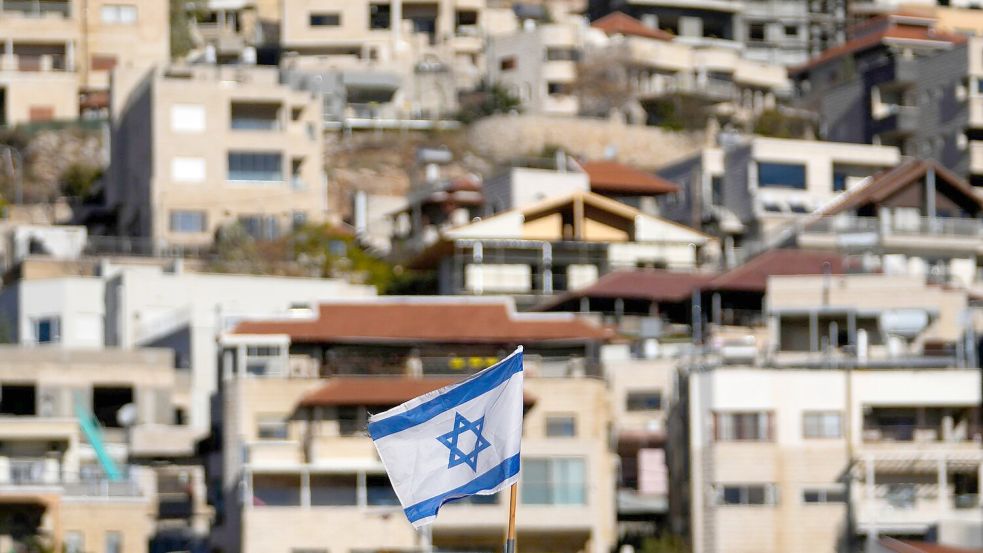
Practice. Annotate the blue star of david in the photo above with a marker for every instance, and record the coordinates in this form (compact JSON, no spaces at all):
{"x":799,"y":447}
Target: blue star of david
{"x":458,"y":457}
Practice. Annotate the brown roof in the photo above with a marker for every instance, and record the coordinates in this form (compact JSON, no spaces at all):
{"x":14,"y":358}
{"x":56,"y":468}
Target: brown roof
{"x":426,"y":321}
{"x":753,"y":275}
{"x":619,"y":23}
{"x":892,"y":33}
{"x":910,"y":546}
{"x":609,"y":177}
{"x":884,"y":184}
{"x":656,"y":285}
{"x":377,"y":391}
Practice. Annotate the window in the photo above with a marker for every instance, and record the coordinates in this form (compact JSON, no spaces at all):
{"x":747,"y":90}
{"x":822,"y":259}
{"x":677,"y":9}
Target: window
{"x":262,"y":360}
{"x":276,"y":490}
{"x":979,"y":86}
{"x":756,"y":32}
{"x":254,"y":116}
{"x":554,"y":481}
{"x":379,"y":16}
{"x":18,"y":400}
{"x":325,"y":19}
{"x":272,"y":427}
{"x":822,"y":424}
{"x":352,"y":420}
{"x":334,"y":489}
{"x":791,"y":30}
{"x":747,"y":494}
{"x":114,"y":542}
{"x":188,"y":169}
{"x":188,"y":221}
{"x":562,"y":54}
{"x":378,"y":490}
{"x":261,"y":227}
{"x":839,"y":181}
{"x":824,"y":495}
{"x":508,"y":64}
{"x":742,"y":426}
{"x":561,"y":426}
{"x":555,"y":88}
{"x":47,"y":330}
{"x":782,"y":175}
{"x":74,"y":542}
{"x":187,"y":118}
{"x":644,"y":400}
{"x":717,"y":190}
{"x":118,"y":14}
{"x":255,"y":166}
{"x":107,"y":401}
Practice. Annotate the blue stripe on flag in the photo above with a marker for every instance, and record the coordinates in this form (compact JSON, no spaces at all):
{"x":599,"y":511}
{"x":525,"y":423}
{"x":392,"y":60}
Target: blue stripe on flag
{"x":465,"y":391}
{"x":487,"y":481}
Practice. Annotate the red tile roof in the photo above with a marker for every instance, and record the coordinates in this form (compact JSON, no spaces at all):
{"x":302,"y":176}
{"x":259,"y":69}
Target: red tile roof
{"x":753,"y":275}
{"x":910,"y":546}
{"x":377,"y":391}
{"x":433,"y":321}
{"x":609,"y":177}
{"x":650,"y":284}
{"x":892,"y":33}
{"x":619,"y":23}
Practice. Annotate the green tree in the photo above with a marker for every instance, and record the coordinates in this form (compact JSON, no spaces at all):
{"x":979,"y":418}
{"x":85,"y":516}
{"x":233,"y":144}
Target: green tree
{"x":776,"y":124}
{"x":181,"y":14}
{"x":666,"y":543}
{"x":486,"y":101}
{"x":79,"y":179}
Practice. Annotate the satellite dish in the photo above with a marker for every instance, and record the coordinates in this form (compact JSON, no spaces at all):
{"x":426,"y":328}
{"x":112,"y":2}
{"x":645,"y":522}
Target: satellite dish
{"x":127,"y":415}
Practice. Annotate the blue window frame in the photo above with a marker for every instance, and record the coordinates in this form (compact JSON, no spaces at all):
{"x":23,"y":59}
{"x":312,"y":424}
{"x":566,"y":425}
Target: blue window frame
{"x":255,"y":166}
{"x":782,"y":175}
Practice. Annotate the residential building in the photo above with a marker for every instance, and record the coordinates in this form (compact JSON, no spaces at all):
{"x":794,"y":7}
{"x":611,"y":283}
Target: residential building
{"x":916,"y":219}
{"x":657,"y":66}
{"x":899,"y":82}
{"x":746,"y":189}
{"x":57,"y":55}
{"x":784,"y":33}
{"x":296,"y":448}
{"x":93,"y":303}
{"x":627,"y":185}
{"x":198,"y":148}
{"x":857,"y":420}
{"x":538,"y":65}
{"x":84,"y":436}
{"x":556,"y":245}
{"x":227,"y":32}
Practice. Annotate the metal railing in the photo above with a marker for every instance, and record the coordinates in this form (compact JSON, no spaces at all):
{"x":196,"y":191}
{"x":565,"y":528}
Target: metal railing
{"x":142,"y":247}
{"x":36,"y":8}
{"x":937,"y":226}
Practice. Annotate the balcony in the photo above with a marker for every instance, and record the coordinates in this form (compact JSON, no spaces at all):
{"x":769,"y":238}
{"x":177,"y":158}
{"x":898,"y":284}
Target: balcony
{"x":255,"y":117}
{"x":866,"y":232}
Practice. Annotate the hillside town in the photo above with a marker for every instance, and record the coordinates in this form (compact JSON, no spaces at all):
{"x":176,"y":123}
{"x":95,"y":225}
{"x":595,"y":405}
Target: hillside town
{"x":739,"y":242}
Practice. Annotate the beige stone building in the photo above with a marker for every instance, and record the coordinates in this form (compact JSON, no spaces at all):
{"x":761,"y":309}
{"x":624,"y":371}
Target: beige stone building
{"x":297,"y":452}
{"x":82,"y":436}
{"x":197,"y":148}
{"x":57,"y":55}
{"x":865,"y":394}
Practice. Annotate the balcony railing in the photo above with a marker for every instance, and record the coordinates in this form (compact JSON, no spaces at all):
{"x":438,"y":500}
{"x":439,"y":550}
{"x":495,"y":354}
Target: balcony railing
{"x":35,"y":8}
{"x":937,"y":226}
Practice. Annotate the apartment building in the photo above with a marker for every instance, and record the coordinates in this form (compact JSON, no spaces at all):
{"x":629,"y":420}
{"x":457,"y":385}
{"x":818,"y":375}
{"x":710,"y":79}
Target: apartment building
{"x":538,"y":65}
{"x":91,"y":303}
{"x":745,"y":189}
{"x":57,"y":55}
{"x":389,"y":64}
{"x":297,"y":452}
{"x":225,"y":145}
{"x":899,"y":82}
{"x":84,"y":435}
{"x":783,"y":33}
{"x":917,"y":219}
{"x":657,"y":65}
{"x":857,"y":421}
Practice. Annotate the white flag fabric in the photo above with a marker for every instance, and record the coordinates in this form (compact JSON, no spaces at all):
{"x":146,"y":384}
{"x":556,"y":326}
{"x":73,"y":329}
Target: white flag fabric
{"x":457,"y":441}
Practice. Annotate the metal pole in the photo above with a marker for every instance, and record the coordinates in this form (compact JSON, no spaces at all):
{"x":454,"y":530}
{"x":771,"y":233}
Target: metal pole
{"x":510,"y":537}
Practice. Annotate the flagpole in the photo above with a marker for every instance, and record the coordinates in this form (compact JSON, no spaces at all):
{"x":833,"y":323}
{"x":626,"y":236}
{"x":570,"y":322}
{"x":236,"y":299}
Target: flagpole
{"x":510,"y":537}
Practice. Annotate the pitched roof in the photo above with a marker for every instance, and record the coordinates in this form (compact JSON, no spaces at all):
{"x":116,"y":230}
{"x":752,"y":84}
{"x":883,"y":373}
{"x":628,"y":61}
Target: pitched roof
{"x":753,"y":275}
{"x":656,"y":285}
{"x":610,"y":177}
{"x":377,"y":390}
{"x":620,"y":23}
{"x":434,"y":320}
{"x":910,"y":546}
{"x":886,"y":183}
{"x":893,"y":33}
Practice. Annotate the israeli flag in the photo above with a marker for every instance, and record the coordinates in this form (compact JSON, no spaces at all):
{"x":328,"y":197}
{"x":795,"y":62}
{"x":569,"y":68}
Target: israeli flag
{"x":457,"y":441}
